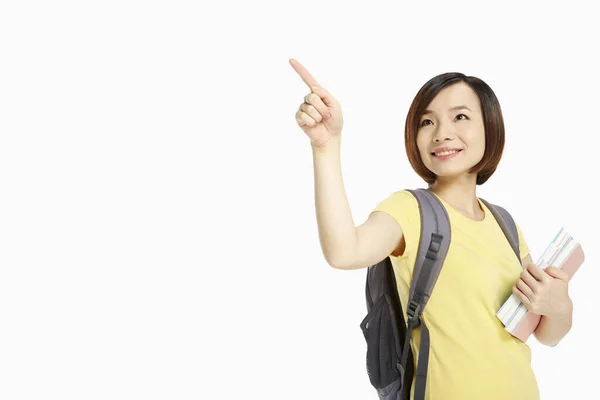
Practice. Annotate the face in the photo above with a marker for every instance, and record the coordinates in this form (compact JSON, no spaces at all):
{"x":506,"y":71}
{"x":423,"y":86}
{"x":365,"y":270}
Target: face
{"x":453,"y":121}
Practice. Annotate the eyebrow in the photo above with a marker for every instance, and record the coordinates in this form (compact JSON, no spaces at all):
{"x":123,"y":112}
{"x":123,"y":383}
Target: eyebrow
{"x":462,"y":107}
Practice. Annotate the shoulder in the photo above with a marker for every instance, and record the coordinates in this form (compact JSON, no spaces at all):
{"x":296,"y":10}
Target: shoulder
{"x":400,"y":198}
{"x":403,"y":207}
{"x":523,"y":247}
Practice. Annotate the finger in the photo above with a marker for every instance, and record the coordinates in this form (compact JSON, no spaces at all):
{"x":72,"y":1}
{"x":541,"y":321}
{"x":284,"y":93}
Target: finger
{"x":529,"y":280}
{"x":557,"y":273}
{"x":326,"y":97}
{"x":304,"y":74}
{"x":521,"y":296}
{"x":525,"y":289}
{"x":537,"y":272}
{"x":310,"y":110}
{"x":304,"y":119}
{"x":315,"y":100}
{"x":312,"y":83}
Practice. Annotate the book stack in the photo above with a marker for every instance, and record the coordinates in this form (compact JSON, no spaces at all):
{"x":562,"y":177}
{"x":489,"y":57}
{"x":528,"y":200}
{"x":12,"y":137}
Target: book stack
{"x":563,"y":252}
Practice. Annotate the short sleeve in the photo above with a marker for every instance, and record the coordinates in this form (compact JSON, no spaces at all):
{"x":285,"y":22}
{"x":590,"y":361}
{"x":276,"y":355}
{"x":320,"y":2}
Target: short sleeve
{"x":523,"y":247}
{"x":404,"y":208}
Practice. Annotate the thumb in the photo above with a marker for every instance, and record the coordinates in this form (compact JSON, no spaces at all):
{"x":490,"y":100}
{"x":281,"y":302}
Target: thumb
{"x":327,"y":98}
{"x":557,"y":273}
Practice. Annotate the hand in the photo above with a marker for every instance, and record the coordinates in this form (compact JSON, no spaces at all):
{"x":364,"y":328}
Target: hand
{"x":320,"y":116}
{"x":543,"y":292}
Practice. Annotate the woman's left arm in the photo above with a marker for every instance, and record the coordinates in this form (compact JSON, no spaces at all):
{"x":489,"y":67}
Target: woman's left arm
{"x":546,"y":292}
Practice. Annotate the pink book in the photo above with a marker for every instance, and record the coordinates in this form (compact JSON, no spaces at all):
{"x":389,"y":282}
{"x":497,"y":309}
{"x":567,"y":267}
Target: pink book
{"x":530,"y":321}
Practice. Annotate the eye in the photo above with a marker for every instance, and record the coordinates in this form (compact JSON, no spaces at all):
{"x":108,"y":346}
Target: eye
{"x":462,"y":115}
{"x":423,"y":122}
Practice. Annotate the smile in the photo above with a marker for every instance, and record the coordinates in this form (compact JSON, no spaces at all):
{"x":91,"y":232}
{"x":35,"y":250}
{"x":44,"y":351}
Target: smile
{"x":444,"y":155}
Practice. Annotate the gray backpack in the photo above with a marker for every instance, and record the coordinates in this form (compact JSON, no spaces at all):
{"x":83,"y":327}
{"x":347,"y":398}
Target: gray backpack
{"x":390,"y":363}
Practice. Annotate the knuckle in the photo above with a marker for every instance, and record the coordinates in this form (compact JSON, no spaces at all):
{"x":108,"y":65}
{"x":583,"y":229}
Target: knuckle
{"x":533,"y":308}
{"x":312,"y":111}
{"x":304,"y":118}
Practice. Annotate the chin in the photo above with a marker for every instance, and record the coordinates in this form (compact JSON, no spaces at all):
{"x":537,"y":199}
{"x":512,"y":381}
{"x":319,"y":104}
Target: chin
{"x":450,"y":173}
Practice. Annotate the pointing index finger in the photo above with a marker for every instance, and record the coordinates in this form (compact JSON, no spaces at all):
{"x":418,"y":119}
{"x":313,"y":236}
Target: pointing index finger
{"x":304,"y":74}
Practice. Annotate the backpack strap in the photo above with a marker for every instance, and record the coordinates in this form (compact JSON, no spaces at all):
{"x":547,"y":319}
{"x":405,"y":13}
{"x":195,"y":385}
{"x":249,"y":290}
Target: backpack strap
{"x":434,"y":243}
{"x":507,"y":224}
{"x":433,"y":246}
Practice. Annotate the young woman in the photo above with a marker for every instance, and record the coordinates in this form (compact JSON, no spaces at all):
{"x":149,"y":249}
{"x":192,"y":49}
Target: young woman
{"x":454,"y":138}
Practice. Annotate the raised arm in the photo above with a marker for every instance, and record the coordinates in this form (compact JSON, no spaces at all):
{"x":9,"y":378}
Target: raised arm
{"x":344,"y":245}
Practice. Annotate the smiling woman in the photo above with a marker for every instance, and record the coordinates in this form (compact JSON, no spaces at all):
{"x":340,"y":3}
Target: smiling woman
{"x":462,"y":113}
{"x":454,"y":139}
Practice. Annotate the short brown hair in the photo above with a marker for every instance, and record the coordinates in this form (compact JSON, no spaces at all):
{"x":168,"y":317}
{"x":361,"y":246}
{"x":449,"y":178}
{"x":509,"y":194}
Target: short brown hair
{"x":492,"y":122}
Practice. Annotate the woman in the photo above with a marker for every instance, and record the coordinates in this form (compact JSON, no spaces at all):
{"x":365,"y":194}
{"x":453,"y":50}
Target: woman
{"x":454,"y":137}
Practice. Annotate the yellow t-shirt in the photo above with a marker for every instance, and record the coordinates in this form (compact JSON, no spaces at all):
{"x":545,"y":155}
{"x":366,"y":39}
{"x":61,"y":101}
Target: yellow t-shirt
{"x":471,"y":355}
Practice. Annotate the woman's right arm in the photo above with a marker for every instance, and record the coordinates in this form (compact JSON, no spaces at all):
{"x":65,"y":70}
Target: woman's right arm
{"x":344,"y":245}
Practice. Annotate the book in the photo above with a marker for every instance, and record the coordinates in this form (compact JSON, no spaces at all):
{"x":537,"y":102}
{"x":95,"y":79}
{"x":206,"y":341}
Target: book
{"x":563,"y":252}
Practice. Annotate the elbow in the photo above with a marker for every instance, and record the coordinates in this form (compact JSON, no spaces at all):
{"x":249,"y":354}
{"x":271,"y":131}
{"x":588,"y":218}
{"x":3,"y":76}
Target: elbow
{"x":550,"y":342}
{"x":342,"y":257}
{"x":339,"y":262}
{"x":545,"y":342}
{"x":337,"y":266}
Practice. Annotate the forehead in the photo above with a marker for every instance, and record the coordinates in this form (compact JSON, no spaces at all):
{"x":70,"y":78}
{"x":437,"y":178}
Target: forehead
{"x":454,"y":95}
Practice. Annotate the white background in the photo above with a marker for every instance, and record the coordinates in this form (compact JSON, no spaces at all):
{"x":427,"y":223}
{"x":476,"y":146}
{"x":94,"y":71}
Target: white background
{"x":157,"y":230}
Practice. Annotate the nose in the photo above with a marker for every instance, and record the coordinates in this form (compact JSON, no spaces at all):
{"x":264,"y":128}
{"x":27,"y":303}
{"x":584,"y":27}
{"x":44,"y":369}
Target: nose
{"x":445,"y":131}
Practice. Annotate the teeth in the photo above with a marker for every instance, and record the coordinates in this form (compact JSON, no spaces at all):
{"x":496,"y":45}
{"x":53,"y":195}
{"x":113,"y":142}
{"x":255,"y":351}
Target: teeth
{"x":446,"y":153}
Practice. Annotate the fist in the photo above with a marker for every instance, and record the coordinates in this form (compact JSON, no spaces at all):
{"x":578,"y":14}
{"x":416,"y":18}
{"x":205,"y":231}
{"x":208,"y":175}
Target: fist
{"x":320,"y":115}
{"x":543,"y":291}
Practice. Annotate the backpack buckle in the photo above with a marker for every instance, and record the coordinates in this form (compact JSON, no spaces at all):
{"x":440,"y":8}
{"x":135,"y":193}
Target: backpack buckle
{"x":434,"y":246}
{"x":413,"y":309}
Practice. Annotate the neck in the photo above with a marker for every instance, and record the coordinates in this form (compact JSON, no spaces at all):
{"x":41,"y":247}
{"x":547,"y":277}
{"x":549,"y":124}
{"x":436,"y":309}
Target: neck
{"x":461,"y":195}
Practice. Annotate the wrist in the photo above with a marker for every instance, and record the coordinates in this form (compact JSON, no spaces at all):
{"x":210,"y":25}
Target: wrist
{"x":331,"y":145}
{"x":564,"y":310}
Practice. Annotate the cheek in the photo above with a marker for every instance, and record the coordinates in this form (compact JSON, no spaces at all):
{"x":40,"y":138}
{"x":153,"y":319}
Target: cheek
{"x":476,"y":138}
{"x":421,"y":144}
{"x":422,"y":153}
{"x":482,"y":143}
